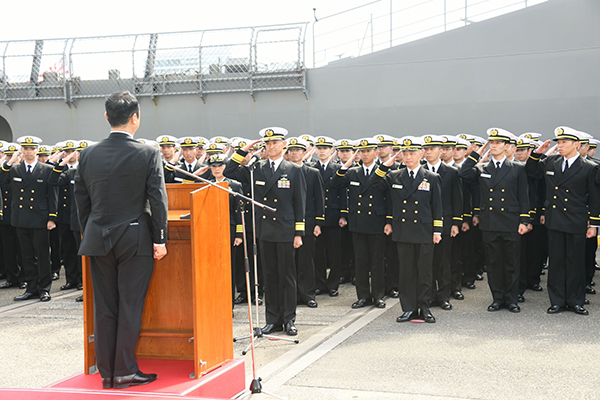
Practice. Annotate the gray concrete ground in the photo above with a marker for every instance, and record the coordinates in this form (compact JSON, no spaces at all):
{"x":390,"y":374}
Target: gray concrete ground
{"x":358,"y":354}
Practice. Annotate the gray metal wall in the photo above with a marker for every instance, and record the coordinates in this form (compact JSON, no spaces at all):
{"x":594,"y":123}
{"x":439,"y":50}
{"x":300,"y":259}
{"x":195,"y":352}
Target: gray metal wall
{"x":530,"y":70}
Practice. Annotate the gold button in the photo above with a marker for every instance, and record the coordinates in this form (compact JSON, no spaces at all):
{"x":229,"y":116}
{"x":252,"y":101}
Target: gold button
{"x":502,"y":190}
{"x":403,"y":220}
{"x":567,"y":190}
{"x":325,"y":206}
{"x":264,"y":217}
{"x":370,"y":205}
{"x":32,"y":191}
{"x":358,"y":204}
{"x":491,"y":208}
{"x":20,"y":198}
{"x":415,"y":221}
{"x":65,"y":197}
{"x":566,"y":199}
{"x":360,"y":196}
{"x":555,"y":197}
{"x":31,"y":199}
{"x":31,"y":207}
{"x":556,"y":188}
{"x":502,"y":209}
{"x":247,"y":211}
{"x":22,"y":190}
{"x":416,"y":202}
{"x":554,"y":206}
{"x":491,"y":190}
{"x":275,"y":200}
{"x":416,"y":211}
{"x":274,"y":219}
{"x":265,"y":199}
{"x":358,"y":212}
{"x":371,"y":196}
{"x":326,"y":190}
{"x":404,"y":201}
{"x":403,"y":210}
{"x":64,"y":205}
{"x":501,"y":199}
{"x":564,"y":209}
{"x":326,"y":198}
{"x":369,"y":212}
{"x":491,"y":199}
{"x":21,"y":206}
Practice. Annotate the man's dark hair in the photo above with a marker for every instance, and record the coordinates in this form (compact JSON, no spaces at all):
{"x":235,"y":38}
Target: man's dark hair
{"x":120,"y":106}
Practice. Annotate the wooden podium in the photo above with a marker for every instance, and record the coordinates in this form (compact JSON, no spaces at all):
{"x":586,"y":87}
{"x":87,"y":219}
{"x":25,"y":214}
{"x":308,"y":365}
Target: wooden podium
{"x":188,"y":310}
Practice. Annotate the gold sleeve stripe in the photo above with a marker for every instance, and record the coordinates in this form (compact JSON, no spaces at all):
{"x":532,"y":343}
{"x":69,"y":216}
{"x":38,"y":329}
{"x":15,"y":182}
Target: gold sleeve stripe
{"x":380,"y":173}
{"x":320,"y":218}
{"x":438,"y":223}
{"x":52,"y":215}
{"x":467,"y":215}
{"x":389,"y":216}
{"x":534,"y":158}
{"x":57,"y":170}
{"x":300,"y":226}
{"x":473,"y":158}
{"x":168,"y":168}
{"x":4,"y":169}
{"x":342,"y":172}
{"x":476,"y":209}
{"x":595,"y":218}
{"x":457,"y":218}
{"x":188,"y":181}
{"x":238,"y":158}
{"x":239,"y":229}
{"x":524,"y":215}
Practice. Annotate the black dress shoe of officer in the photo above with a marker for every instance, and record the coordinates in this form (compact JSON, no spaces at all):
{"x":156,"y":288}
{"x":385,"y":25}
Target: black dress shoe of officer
{"x":80,"y":286}
{"x":27,"y":296}
{"x":427,"y":316}
{"x":590,"y":290}
{"x":360,"y":303}
{"x":445,"y":305}
{"x":555,"y":309}
{"x":23,"y":285}
{"x":45,"y":296}
{"x":520,"y":298}
{"x":55,"y":276}
{"x":107,"y":383}
{"x":494,"y":307}
{"x":586,"y":302}
{"x":334,"y":293}
{"x":7,"y":285}
{"x":270,"y":328}
{"x":68,"y":286}
{"x":239,"y":300}
{"x":592,"y":283}
{"x":79,"y":299}
{"x":406,"y":316}
{"x":343,"y":280}
{"x":393,"y":294}
{"x":319,"y":292}
{"x":470,"y":285}
{"x":290,"y":329}
{"x":478,"y":277}
{"x":514,"y":308}
{"x":536,"y":288}
{"x":578,"y":310}
{"x":260,"y":300}
{"x":458,"y":295}
{"x":312,"y":304}
{"x":379,"y":303}
{"x":137,"y":379}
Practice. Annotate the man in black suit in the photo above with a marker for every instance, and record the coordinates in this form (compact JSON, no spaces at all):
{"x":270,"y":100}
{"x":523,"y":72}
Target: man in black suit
{"x":572,"y":214}
{"x":33,"y":214}
{"x":415,"y":223}
{"x":452,"y":203}
{"x":504,"y":216}
{"x":124,"y":224}
{"x":282,"y":186}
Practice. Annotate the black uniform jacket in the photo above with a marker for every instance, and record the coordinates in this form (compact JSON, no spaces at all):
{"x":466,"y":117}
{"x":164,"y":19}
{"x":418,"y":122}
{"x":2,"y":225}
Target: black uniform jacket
{"x":336,"y":200}
{"x":367,"y":204}
{"x":572,"y":196}
{"x":126,"y":182}
{"x":416,"y":203}
{"x":64,"y":178}
{"x":315,"y":199}
{"x":504,"y":195}
{"x":285,"y":190}
{"x":34,"y":200}
{"x":452,"y":197}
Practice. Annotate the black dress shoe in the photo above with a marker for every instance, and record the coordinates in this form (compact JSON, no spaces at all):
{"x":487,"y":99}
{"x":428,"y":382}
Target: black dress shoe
{"x":592,"y":283}
{"x":312,"y":304}
{"x":494,"y":307}
{"x":270,"y":328}
{"x":23,"y":285}
{"x":536,"y":288}
{"x":343,"y":280}
{"x":107,"y":383}
{"x":68,"y":286}
{"x":445,"y":305}
{"x":55,"y":276}
{"x":379,"y":303}
{"x":520,"y":298}
{"x":514,"y":308}
{"x":334,"y":293}
{"x":27,"y":296}
{"x":458,"y":295}
{"x":79,"y":299}
{"x":239,"y":300}
{"x":318,"y":292}
{"x":578,"y":310}
{"x":590,"y":290}
{"x":259,"y":301}
{"x":470,"y":285}
{"x":555,"y":309}
{"x":360,"y":303}
{"x":7,"y":285}
{"x":543,"y":272}
{"x":597,"y":267}
{"x":45,"y":296}
{"x":427,"y":316}
{"x":478,"y":277}
{"x":586,"y":302}
{"x":290,"y":329}
{"x":137,"y":379}
{"x":80,"y":286}
{"x":393,"y":294}
{"x":406,"y":316}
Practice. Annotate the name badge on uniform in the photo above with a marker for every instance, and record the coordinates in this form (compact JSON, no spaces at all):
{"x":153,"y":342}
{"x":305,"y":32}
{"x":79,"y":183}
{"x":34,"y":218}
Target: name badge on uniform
{"x":260,"y":183}
{"x":283,"y":183}
{"x":17,"y":179}
{"x":40,"y":181}
{"x":354,"y":183}
{"x":72,"y":182}
{"x":426,"y":186}
{"x":485,"y":175}
{"x":549,"y":172}
{"x":397,"y":186}
{"x":178,"y":179}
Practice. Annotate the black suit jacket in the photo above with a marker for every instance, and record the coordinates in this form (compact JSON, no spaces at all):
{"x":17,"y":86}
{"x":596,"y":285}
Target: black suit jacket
{"x":34,"y":200}
{"x":285,"y":190}
{"x":572,"y":198}
{"x":504,"y":193}
{"x":120,"y":182}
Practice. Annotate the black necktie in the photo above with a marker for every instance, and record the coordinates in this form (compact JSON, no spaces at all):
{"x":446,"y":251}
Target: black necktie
{"x":272,"y":167}
{"x":497,"y":164}
{"x":29,"y":169}
{"x":367,"y":172}
{"x":412,"y":174}
{"x":190,"y":168}
{"x":432,"y":168}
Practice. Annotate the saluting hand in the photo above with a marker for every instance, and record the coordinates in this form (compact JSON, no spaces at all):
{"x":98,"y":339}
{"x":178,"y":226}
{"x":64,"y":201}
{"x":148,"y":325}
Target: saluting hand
{"x":16,"y":158}
{"x":247,"y":147}
{"x":483,"y":149}
{"x":201,"y":170}
{"x":543,"y":147}
{"x":392,"y":159}
{"x":348,"y":163}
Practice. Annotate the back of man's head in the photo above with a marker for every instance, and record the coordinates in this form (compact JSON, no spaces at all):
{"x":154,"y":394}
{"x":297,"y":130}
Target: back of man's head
{"x":120,"y":106}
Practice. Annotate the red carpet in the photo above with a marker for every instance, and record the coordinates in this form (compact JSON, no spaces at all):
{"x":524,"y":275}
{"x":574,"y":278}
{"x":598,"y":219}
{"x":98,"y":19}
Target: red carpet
{"x":173,"y":383}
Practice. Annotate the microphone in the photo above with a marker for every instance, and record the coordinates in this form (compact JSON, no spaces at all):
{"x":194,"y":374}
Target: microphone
{"x":254,"y":159}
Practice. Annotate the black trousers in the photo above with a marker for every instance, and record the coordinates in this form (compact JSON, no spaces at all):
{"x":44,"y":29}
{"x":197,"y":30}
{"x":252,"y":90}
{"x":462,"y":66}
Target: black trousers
{"x":369,"y":251}
{"x":479,"y":260}
{"x":77,"y":237}
{"x":280,"y":281}
{"x":120,"y":281}
{"x":36,"y":258}
{"x":55,"y":256}
{"x":416,"y":275}
{"x":531,"y":259}
{"x":328,"y":255}
{"x":503,"y":253}
{"x":68,"y":251}
{"x":566,"y":268}
{"x":347,"y":260}
{"x":8,"y":237}
{"x":442,"y":260}
{"x":591,"y":245}
{"x":392,"y":265}
{"x":462,"y":259}
{"x":305,"y":266}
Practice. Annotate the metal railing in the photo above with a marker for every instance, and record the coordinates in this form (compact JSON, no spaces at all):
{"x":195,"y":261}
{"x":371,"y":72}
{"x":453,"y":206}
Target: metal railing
{"x":381,"y":24}
{"x":198,"y":62}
